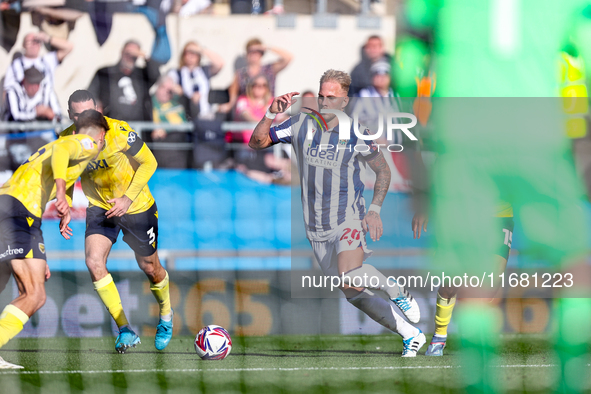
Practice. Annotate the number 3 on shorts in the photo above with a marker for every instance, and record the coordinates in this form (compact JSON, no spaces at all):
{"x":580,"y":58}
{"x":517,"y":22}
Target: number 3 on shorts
{"x":150,"y":232}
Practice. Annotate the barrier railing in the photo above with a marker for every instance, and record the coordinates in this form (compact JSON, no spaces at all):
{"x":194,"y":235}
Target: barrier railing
{"x":169,"y":256}
{"x":139,"y":127}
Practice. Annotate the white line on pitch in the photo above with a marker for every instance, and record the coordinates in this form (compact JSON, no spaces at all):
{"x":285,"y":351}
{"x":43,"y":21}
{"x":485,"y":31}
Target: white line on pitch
{"x":13,"y":372}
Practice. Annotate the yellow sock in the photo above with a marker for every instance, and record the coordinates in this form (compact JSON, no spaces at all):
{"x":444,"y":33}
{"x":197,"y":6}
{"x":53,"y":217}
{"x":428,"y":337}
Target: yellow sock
{"x":162,"y":295}
{"x":445,"y":307}
{"x":108,"y":293}
{"x":12,"y":321}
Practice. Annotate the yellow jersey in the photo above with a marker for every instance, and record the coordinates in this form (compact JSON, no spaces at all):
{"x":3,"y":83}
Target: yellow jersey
{"x":33,"y":183}
{"x":114,"y":173}
{"x":504,"y":210}
{"x":573,"y":90}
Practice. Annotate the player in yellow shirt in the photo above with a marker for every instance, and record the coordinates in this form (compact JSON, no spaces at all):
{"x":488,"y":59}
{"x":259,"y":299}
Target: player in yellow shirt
{"x":116,"y":185}
{"x":446,"y":295}
{"x":46,"y":175}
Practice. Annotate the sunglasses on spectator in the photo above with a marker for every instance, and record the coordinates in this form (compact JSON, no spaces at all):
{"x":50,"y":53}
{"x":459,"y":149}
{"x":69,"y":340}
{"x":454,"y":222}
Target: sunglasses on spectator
{"x":255,"y":51}
{"x":131,"y":55}
{"x":192,"y":52}
{"x":259,"y":85}
{"x":36,"y":42}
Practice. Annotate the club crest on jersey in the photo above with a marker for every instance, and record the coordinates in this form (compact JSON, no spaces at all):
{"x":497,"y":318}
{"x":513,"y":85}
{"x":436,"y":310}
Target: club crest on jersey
{"x":131,"y":137}
{"x":42,"y":248}
{"x":343,"y":142}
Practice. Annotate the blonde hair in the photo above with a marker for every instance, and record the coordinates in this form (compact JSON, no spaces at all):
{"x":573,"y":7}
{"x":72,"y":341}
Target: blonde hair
{"x":182,"y":59}
{"x":341,"y":77}
{"x":251,"y":83}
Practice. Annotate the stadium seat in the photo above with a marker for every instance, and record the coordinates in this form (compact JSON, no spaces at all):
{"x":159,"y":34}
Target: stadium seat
{"x":178,"y":234}
{"x":215,"y":203}
{"x":248,"y":204}
{"x":248,"y":232}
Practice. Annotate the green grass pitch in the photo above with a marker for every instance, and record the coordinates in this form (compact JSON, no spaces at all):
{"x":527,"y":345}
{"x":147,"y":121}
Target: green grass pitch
{"x":282,"y":364}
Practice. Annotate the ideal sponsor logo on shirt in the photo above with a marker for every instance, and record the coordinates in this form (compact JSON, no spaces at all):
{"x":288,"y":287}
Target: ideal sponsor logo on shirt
{"x":324,"y":158}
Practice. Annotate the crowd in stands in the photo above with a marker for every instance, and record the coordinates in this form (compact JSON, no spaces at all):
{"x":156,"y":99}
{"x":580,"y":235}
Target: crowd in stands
{"x":138,"y":88}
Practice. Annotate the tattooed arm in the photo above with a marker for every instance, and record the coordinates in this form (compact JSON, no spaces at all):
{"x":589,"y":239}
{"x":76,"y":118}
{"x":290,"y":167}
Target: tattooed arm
{"x":372,"y":221}
{"x":260,"y":138}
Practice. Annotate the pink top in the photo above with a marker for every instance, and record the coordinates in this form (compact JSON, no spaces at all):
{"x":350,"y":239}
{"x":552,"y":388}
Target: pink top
{"x":244,"y":104}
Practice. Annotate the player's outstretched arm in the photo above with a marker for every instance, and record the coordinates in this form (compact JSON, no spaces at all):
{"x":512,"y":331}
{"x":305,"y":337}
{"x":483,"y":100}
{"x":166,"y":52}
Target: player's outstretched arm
{"x":260,"y":138}
{"x":61,"y":154}
{"x":372,"y":221}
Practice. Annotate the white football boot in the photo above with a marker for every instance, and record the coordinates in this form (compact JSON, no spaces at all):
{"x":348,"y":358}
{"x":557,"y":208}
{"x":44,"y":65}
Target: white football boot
{"x":413,"y":345}
{"x":407,"y":304}
{"x":7,"y":365}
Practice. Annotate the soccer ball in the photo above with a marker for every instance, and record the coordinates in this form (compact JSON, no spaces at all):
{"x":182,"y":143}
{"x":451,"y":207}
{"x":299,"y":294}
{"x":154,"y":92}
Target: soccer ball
{"x":213,"y":343}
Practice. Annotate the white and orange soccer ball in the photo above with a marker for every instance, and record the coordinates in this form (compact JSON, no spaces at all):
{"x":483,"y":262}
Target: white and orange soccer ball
{"x":213,"y":343}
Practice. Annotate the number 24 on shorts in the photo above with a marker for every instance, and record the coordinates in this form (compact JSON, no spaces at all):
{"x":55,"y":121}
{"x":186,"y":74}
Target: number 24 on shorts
{"x":355,"y":235}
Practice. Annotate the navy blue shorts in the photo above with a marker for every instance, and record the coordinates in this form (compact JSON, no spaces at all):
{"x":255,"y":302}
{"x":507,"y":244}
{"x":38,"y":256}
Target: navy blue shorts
{"x":140,"y":230}
{"x":20,"y":232}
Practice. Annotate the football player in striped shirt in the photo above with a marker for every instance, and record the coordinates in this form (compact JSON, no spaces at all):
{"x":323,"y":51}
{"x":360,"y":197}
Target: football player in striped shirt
{"x":333,"y":206}
{"x":116,"y":185}
{"x":49,"y":173}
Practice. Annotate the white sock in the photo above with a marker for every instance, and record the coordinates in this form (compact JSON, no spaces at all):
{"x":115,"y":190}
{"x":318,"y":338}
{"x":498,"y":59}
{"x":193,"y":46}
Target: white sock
{"x":167,"y":317}
{"x":391,"y":288}
{"x":382,"y":312}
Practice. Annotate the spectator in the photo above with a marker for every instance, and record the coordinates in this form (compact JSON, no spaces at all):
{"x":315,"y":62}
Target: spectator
{"x":101,"y":14}
{"x":167,"y":108}
{"x":381,"y":94}
{"x":122,"y":90}
{"x":57,"y":21}
{"x":373,"y":51}
{"x":254,"y":55}
{"x":10,"y":22}
{"x":378,"y":99}
{"x":308,"y":99}
{"x":33,"y":99}
{"x":194,"y":78}
{"x":32,"y":57}
{"x":251,"y":107}
{"x":187,"y":8}
{"x":276,"y":170}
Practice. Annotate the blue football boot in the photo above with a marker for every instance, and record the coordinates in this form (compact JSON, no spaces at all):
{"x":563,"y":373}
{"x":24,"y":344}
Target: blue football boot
{"x":163,"y":332}
{"x":126,"y":339}
{"x":436,"y":346}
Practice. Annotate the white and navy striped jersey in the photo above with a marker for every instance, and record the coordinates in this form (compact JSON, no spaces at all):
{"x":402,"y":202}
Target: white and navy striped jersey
{"x":330,"y":173}
{"x":46,"y":64}
{"x":22,"y":108}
